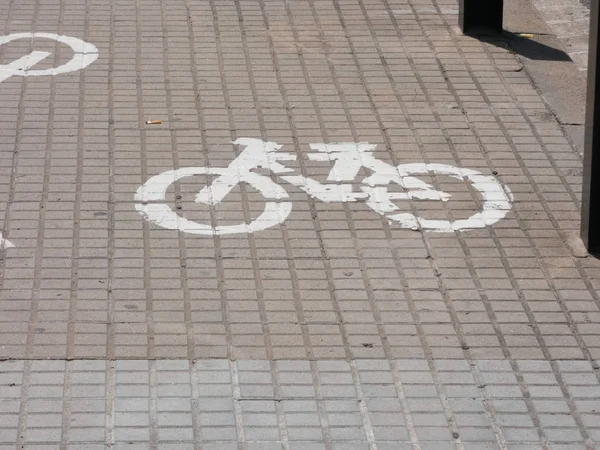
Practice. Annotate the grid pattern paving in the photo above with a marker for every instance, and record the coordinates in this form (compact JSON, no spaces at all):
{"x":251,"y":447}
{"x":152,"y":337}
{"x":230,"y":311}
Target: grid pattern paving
{"x":336,"y":329}
{"x":89,"y":278}
{"x":299,"y":404}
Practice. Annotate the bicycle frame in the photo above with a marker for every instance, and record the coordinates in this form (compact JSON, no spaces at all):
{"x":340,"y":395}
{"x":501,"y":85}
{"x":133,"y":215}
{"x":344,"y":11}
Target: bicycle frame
{"x":348,"y":159}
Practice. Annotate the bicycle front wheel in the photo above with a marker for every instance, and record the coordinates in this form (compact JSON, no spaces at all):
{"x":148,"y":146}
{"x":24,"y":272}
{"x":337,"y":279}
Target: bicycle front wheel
{"x":496,"y":199}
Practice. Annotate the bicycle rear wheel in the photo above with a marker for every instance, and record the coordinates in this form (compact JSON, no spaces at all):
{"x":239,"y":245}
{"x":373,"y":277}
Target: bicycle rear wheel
{"x":151,"y":198}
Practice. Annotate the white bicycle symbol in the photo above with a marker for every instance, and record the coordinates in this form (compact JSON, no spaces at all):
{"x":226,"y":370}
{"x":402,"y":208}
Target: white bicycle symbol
{"x":348,"y":159}
{"x":84,"y":54}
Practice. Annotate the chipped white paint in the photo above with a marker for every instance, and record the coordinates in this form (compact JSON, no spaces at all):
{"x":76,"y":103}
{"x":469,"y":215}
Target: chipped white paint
{"x":161,"y":214}
{"x":347,"y":160}
{"x":5,"y":243}
{"x":84,"y":54}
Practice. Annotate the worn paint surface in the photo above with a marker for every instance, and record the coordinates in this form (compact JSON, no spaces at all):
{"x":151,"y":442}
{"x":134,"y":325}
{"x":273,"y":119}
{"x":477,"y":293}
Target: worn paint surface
{"x":84,"y":54}
{"x":347,"y":160}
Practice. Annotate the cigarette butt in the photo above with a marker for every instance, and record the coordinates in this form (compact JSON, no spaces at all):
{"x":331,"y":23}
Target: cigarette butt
{"x":526,"y":35}
{"x":154,"y":122}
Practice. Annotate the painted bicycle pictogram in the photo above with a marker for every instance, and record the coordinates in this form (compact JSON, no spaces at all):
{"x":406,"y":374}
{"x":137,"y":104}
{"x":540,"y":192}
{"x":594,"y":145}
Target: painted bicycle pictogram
{"x":347,"y":160}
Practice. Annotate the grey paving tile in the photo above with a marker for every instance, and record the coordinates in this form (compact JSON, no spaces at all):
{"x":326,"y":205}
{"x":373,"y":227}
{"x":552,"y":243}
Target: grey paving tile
{"x":336,"y":329}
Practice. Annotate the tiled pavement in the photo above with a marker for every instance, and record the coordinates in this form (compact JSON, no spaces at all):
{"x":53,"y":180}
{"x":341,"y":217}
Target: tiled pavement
{"x":334,"y":330}
{"x":570,"y":22}
{"x":299,"y":404}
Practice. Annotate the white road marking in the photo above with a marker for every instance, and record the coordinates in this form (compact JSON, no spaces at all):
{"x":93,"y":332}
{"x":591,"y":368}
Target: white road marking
{"x":21,"y":64}
{"x":5,"y":243}
{"x":496,"y":199}
{"x":347,"y":160}
{"x":155,"y":190}
{"x":84,"y":54}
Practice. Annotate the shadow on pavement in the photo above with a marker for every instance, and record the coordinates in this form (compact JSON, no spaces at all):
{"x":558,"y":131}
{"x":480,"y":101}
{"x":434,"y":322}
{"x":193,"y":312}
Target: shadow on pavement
{"x":528,"y":47}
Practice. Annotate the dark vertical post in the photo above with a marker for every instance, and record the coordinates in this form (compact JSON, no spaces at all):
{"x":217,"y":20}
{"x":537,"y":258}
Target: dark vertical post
{"x":590,"y":206}
{"x":476,"y":15}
